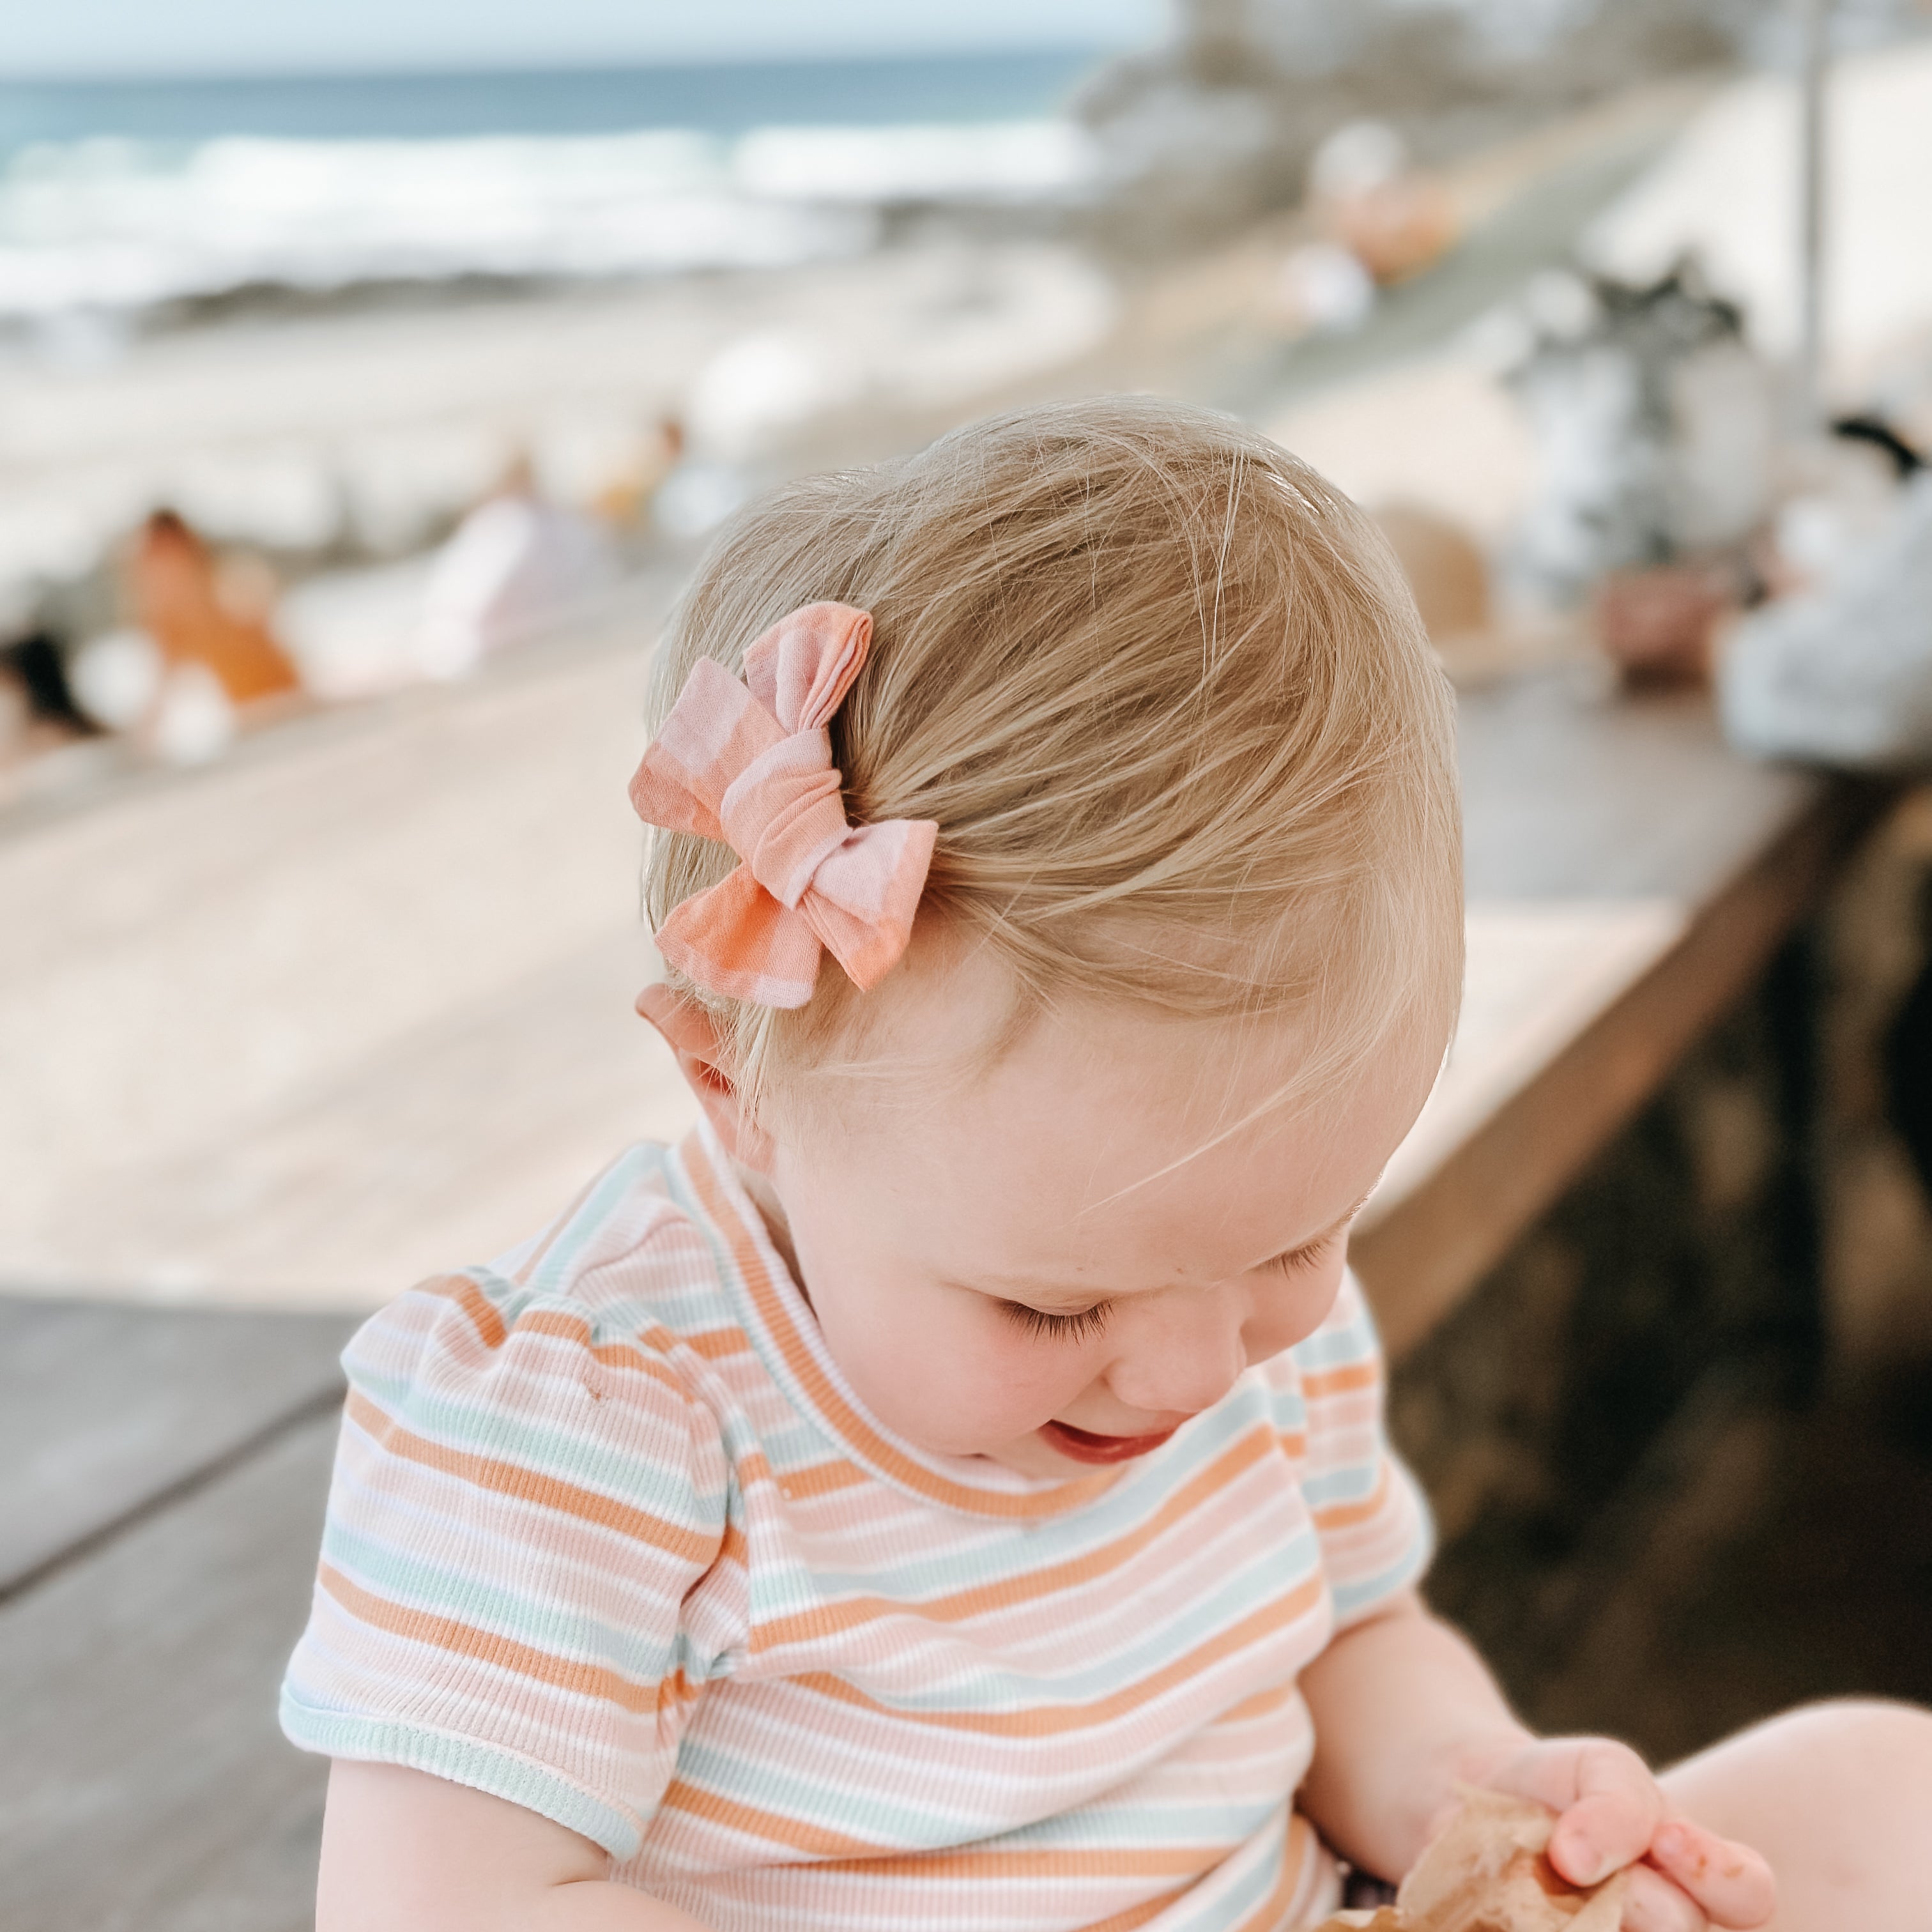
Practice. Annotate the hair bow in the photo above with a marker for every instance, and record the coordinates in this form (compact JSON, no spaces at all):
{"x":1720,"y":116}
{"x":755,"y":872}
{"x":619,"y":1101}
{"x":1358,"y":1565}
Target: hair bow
{"x":751,"y":764}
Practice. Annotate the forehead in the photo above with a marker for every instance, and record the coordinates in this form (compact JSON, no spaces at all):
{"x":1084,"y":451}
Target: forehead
{"x":1105,"y":1145}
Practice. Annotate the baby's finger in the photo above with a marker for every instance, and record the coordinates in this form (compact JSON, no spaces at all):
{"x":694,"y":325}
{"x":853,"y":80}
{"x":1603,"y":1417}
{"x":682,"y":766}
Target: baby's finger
{"x":1608,"y":1825}
{"x":1653,"y":1904}
{"x":1731,"y":1883}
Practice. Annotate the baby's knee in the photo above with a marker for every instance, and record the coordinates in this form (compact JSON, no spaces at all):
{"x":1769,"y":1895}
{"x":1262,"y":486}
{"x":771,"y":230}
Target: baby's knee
{"x":1842,"y":1766}
{"x":1858,"y":1735}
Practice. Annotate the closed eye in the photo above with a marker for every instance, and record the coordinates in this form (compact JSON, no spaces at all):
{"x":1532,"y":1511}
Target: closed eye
{"x":1059,"y":1328}
{"x":1296,"y":1259}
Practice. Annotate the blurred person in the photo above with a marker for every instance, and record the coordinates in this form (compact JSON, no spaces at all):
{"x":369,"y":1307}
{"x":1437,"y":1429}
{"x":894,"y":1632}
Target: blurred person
{"x":514,"y":565}
{"x":198,"y":657}
{"x":179,"y":598}
{"x":38,"y":710}
{"x":952,"y":1486}
{"x":1395,"y":219}
{"x":624,"y":500}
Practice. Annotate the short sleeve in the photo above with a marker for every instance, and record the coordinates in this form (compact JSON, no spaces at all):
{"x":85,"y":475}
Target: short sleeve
{"x":1369,"y":1515}
{"x":521,"y":1505}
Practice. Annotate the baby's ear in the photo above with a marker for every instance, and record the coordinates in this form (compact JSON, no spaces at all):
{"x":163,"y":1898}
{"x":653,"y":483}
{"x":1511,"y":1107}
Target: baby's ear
{"x":691,"y":1034}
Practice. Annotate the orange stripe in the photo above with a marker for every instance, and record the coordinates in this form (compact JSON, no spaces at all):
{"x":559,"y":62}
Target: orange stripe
{"x":1052,"y":1721}
{"x":512,"y":1479}
{"x":1293,"y":1857}
{"x":564,"y":1220}
{"x":770,"y":1825}
{"x":1139,"y":1914}
{"x":563,"y":1673}
{"x":1262,"y":1704}
{"x":1242,"y":1454}
{"x":474,"y":1303}
{"x":1092,"y":1861}
{"x":823,"y":1479}
{"x":561,"y":1325}
{"x":715,"y":1344}
{"x":488,"y":1322}
{"x":1318,"y":1383}
{"x":832,"y":1406}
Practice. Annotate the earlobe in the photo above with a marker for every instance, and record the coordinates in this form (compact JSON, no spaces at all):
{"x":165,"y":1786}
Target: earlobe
{"x":691,"y":1034}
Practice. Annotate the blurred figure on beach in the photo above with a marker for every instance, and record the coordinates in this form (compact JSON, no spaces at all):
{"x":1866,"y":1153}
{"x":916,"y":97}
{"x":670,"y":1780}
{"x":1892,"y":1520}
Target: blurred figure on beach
{"x":180,"y":598}
{"x":197,"y":655}
{"x":515,"y":563}
{"x":1382,"y":220}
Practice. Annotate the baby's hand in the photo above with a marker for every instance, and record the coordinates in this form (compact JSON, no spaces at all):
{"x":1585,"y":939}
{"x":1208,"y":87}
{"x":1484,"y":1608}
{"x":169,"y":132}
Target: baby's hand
{"x":1613,"y":1814}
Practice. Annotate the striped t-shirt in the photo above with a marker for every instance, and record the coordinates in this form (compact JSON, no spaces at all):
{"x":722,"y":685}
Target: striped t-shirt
{"x":610,"y":1538}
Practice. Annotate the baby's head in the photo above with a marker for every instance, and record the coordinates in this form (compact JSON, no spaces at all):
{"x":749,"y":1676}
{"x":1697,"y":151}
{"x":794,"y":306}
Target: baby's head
{"x":1190,"y":947}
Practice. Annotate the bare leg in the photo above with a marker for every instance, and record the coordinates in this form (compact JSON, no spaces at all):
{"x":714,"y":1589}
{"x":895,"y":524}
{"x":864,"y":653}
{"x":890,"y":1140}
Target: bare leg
{"x":1838,"y":1797}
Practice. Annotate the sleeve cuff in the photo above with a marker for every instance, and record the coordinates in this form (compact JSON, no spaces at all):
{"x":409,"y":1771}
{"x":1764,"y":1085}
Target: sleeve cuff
{"x":502,"y":1773}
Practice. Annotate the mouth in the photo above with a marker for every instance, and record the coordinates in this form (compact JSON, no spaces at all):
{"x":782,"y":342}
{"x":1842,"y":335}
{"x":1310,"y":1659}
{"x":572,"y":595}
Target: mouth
{"x":1082,"y":1445}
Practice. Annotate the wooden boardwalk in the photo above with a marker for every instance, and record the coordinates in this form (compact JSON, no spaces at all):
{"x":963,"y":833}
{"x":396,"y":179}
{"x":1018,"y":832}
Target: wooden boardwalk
{"x":162,"y":1474}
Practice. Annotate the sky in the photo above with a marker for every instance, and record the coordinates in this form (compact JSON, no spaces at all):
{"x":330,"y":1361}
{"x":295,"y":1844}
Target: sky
{"x":207,"y":37}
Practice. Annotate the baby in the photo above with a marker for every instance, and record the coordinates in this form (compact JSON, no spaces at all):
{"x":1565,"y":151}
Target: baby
{"x":949,"y":1488}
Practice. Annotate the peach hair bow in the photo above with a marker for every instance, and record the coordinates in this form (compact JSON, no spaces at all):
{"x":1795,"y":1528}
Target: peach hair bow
{"x":751,"y":764}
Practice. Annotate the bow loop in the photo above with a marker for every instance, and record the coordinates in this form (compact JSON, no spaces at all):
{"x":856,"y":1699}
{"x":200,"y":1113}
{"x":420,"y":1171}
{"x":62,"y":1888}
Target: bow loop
{"x":750,"y":764}
{"x":801,"y":669}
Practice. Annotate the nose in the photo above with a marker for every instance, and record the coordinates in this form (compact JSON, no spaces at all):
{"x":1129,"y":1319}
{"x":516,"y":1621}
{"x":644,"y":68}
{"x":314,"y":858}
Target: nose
{"x":1181,"y":1354}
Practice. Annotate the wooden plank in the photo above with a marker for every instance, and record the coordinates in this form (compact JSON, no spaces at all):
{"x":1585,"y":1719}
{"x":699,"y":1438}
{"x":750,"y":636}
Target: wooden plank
{"x":1572,"y":791}
{"x":104,"y":1409}
{"x":351,"y":1006}
{"x":145,"y":1786}
{"x":1629,"y":878}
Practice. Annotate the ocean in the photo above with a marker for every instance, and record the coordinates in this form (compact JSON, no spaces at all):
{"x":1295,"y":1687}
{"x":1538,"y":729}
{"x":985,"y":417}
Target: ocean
{"x":119,"y":198}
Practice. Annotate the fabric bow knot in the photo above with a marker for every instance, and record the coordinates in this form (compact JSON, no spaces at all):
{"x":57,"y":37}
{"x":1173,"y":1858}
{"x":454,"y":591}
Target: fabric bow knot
{"x":751,"y":764}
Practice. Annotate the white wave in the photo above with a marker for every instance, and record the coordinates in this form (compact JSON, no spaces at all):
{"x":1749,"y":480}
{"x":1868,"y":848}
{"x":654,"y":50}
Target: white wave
{"x":118,"y":226}
{"x":1020,"y":160}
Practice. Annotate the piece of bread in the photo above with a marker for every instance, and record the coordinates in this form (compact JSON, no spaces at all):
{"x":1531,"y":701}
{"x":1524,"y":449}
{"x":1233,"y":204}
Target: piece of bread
{"x":1488,"y":1871}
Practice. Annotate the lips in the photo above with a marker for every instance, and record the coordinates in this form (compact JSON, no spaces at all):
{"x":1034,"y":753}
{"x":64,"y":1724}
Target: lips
{"x":1082,"y":1445}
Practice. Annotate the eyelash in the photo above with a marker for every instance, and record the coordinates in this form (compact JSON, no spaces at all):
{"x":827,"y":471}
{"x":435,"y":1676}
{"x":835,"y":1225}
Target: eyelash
{"x":1301,"y":1259}
{"x":1037,"y":1322}
{"x":1090,"y":1321}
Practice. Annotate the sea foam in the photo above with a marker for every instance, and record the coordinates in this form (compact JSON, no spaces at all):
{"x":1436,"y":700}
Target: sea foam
{"x":119,"y":226}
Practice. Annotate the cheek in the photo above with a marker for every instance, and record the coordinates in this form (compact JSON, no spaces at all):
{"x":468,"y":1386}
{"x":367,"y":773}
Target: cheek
{"x":1290,"y":1311}
{"x":931,"y":1366}
{"x":940,"y":1367}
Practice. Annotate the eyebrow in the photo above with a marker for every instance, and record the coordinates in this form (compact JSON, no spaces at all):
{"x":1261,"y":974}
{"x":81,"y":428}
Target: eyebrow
{"x":1058,"y":1294}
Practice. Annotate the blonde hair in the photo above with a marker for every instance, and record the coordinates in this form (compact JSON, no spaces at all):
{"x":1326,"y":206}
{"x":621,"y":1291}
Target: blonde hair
{"x":1165,"y":691}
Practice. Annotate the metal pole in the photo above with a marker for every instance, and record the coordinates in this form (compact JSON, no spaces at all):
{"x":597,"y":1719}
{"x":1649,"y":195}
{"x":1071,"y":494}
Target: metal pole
{"x":1813,"y":24}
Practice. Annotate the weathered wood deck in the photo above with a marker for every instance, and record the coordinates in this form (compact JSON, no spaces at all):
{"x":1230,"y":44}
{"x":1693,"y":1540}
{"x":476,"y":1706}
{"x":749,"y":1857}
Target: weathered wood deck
{"x":162,"y":1471}
{"x":162,"y":1474}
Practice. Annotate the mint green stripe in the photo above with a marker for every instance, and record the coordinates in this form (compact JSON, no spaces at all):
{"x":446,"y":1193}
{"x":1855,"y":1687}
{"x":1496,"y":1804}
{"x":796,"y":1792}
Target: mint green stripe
{"x":619,"y":1180}
{"x":482,"y":1767}
{"x":1227,"y":1905}
{"x":1338,"y":1348}
{"x":1353,"y":1483}
{"x":548,"y":1625}
{"x":1019,"y":1550}
{"x":664,"y":1488}
{"x":815,"y":1797}
{"x":992,"y":1690}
